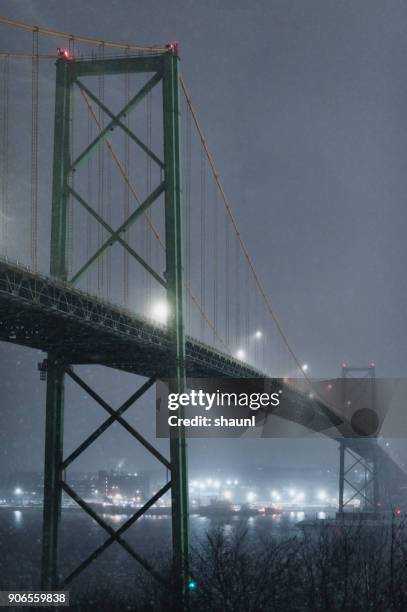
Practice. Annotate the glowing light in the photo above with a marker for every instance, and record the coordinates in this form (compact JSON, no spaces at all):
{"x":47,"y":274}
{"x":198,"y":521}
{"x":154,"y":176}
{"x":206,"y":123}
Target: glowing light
{"x":258,"y":334}
{"x":64,"y":54}
{"x":275,"y":495}
{"x":321,"y":495}
{"x":18,"y":491}
{"x":160,"y":311}
{"x":241,"y":354}
{"x":301,"y":496}
{"x":292,"y":492}
{"x":251,"y":496}
{"x":235,"y":482}
{"x":227,"y":494}
{"x":192,"y":585}
{"x":304,"y":367}
{"x":18,"y":517}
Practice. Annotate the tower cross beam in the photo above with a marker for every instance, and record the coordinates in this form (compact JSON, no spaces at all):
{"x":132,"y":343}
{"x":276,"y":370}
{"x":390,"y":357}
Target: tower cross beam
{"x":115,"y":236}
{"x":115,"y":536}
{"x":115,"y":415}
{"x":118,"y":238}
{"x":115,"y":121}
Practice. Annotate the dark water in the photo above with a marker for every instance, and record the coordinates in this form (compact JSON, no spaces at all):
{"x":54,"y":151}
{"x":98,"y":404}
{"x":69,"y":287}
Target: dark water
{"x":20,"y":545}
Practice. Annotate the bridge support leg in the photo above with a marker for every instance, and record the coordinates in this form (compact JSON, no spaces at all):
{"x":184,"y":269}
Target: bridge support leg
{"x":52,"y":473}
{"x":179,"y":510}
{"x":375,"y":477}
{"x":175,"y":297}
{"x":341,"y":474}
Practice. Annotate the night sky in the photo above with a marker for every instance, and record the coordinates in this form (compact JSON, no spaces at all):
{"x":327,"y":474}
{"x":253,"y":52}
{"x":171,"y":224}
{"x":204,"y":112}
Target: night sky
{"x":304,"y":106}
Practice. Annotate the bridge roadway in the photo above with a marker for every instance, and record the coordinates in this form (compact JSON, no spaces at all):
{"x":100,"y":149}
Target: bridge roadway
{"x":49,"y":315}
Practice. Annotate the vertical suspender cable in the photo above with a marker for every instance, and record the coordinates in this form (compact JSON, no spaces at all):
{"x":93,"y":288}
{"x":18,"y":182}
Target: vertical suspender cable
{"x":71,"y":233}
{"x":126,"y":192}
{"x":90,"y":198}
{"x":109,"y":205}
{"x":203,"y":238}
{"x":246,"y":290}
{"x":215,"y":260}
{"x":4,"y":155}
{"x":267,"y":342}
{"x":256,"y":327}
{"x":237,"y":294}
{"x":101,"y":176}
{"x":188,"y":182}
{"x":34,"y":151}
{"x":71,"y":206}
{"x":227,"y":278}
{"x":148,"y":182}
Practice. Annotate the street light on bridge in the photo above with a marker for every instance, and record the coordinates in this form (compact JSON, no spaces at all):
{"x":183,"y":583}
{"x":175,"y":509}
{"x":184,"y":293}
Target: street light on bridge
{"x":241,"y":354}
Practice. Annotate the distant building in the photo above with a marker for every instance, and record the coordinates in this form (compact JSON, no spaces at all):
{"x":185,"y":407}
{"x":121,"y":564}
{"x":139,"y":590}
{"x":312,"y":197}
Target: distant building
{"x":125,"y":484}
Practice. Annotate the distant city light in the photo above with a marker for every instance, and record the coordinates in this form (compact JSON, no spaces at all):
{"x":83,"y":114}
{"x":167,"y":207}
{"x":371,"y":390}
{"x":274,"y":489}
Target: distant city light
{"x":304,"y":367}
{"x":241,"y":354}
{"x":300,"y":496}
{"x":321,"y":495}
{"x":227,"y":494}
{"x":292,"y":492}
{"x":18,"y":491}
{"x":258,"y":334}
{"x":160,"y":311}
{"x":275,"y":495}
{"x":235,"y":482}
{"x":251,"y":496}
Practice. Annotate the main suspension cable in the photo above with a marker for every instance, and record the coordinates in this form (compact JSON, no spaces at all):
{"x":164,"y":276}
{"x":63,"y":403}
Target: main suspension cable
{"x":236,"y":228}
{"x":83,"y":39}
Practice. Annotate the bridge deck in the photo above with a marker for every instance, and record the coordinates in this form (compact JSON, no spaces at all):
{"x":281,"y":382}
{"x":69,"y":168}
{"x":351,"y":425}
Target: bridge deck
{"x":42,"y":313}
{"x":46,"y":314}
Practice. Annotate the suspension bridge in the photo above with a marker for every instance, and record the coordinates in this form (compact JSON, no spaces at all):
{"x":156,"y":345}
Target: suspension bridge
{"x":119,"y":247}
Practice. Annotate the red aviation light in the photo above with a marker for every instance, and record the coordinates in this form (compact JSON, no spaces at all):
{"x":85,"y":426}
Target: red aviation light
{"x":172,"y":48}
{"x":64,"y":54}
